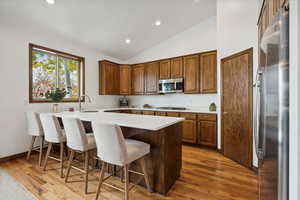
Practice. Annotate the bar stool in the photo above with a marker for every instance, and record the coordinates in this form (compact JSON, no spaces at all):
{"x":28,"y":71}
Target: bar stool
{"x":36,"y":131}
{"x":113,"y":149}
{"x":54,"y":134}
{"x":78,"y":141}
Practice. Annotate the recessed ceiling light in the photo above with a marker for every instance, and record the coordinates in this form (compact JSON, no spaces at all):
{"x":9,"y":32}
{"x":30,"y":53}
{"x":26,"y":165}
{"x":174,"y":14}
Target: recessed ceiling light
{"x":127,"y":41}
{"x":157,"y":22}
{"x":50,"y":1}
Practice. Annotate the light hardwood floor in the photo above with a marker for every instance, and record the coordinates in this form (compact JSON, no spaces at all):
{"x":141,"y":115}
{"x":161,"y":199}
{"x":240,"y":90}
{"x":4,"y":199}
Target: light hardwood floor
{"x":205,"y":175}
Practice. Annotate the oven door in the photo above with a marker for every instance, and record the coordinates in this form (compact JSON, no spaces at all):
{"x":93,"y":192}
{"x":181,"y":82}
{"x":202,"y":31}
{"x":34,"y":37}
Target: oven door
{"x":167,"y":86}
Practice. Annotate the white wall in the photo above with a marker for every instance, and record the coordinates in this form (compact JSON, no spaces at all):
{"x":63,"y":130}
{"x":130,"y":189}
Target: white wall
{"x":199,"y":38}
{"x":236,"y":31}
{"x":14,"y":82}
{"x":294,"y":99}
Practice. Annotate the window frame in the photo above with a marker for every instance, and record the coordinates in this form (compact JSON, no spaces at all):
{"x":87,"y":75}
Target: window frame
{"x":62,"y":54}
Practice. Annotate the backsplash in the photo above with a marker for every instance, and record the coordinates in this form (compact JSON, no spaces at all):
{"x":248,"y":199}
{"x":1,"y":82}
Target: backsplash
{"x":176,"y":100}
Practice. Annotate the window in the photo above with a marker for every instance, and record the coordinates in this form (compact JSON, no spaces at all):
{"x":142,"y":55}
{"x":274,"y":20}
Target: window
{"x":51,"y":69}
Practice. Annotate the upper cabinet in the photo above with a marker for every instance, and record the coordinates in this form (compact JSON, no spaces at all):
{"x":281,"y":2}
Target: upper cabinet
{"x":109,"y":74}
{"x":176,"y":68}
{"x":125,"y":80}
{"x":164,"y":69}
{"x":151,"y":77}
{"x":208,"y":72}
{"x":138,"y":78}
{"x":191,"y":74}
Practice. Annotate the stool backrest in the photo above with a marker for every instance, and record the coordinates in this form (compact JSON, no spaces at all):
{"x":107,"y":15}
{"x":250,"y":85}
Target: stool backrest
{"x":34,"y":125}
{"x":110,"y":142}
{"x":52,"y":130}
{"x":75,"y":132}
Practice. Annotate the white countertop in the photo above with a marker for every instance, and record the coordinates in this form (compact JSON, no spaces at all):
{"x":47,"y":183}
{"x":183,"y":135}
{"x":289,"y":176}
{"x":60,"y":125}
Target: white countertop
{"x":188,"y":110}
{"x":146,"y":122}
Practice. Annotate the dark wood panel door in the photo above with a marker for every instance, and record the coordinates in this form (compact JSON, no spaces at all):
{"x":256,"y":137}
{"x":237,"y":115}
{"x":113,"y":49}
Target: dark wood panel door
{"x":151,"y":77}
{"x":189,"y":131}
{"x":165,"y":69}
{"x":191,"y":74}
{"x":177,"y":68}
{"x":237,"y":107}
{"x":125,"y":79}
{"x":207,"y":133}
{"x":138,"y":79}
{"x":208,"y":72}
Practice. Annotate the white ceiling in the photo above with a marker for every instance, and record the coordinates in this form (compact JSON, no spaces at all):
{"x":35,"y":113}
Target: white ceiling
{"x":105,"y":24}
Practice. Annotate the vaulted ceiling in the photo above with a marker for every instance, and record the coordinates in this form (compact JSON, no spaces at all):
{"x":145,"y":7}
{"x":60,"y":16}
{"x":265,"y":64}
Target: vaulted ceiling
{"x":105,"y":24}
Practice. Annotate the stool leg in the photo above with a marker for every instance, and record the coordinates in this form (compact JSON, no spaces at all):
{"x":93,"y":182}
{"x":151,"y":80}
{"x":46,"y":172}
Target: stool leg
{"x":62,"y":160}
{"x":86,"y":169}
{"x":146,"y":176}
{"x":31,"y":146}
{"x":69,"y":164}
{"x":126,"y":168}
{"x":101,"y":179}
{"x":41,"y":138}
{"x":47,"y":155}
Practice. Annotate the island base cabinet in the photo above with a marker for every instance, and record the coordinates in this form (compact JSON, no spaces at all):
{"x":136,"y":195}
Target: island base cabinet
{"x":207,"y":133}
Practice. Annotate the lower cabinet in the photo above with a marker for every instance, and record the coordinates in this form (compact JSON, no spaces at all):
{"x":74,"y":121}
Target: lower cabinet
{"x":189,"y":131}
{"x":207,"y":133}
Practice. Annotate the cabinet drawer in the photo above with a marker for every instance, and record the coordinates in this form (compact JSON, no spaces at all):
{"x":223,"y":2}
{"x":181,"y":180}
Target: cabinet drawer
{"x":148,"y":112}
{"x":160,"y":113}
{"x":188,"y":116}
{"x":136,"y":111}
{"x":172,"y":114}
{"x":207,"y":117}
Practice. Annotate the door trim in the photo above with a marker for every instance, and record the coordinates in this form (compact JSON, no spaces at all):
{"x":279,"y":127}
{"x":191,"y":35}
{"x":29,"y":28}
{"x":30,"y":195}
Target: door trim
{"x":250,"y":121}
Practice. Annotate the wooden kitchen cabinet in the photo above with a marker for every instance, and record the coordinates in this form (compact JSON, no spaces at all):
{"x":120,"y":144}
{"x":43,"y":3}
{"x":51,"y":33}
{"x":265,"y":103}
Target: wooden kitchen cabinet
{"x":148,"y":112}
{"x":191,"y":74}
{"x":138,"y":78}
{"x":207,"y":133}
{"x":160,"y":113}
{"x":189,"y":131}
{"x":137,"y":112}
{"x":208,"y":72}
{"x":125,"y":80}
{"x":151,"y":77}
{"x":172,"y":114}
{"x":109,"y":77}
{"x":165,"y":69}
{"x":176,"y":68}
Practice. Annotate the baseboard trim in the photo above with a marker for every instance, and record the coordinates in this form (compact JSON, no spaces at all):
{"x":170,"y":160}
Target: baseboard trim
{"x":12,"y":157}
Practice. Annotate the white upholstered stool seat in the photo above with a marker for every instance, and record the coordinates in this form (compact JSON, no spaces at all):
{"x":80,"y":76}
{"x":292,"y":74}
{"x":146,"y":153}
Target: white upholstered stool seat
{"x":113,"y":148}
{"x":35,"y":129}
{"x":78,"y":141}
{"x":53,"y":134}
{"x":135,"y":150}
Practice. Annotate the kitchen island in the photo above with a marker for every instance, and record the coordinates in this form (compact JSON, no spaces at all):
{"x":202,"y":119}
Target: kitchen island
{"x":164,"y":134}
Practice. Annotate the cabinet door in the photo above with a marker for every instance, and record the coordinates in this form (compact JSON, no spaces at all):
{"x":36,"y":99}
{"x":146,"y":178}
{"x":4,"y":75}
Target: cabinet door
{"x":151,"y":77}
{"x":191,"y":74}
{"x":138,"y":79}
{"x":160,"y":113}
{"x":125,"y":79}
{"x":108,"y":78}
{"x":172,"y":114}
{"x":137,"y":112}
{"x":176,"y":68}
{"x":148,"y":112}
{"x":189,"y":129}
{"x":165,"y":69}
{"x":207,"y":133}
{"x":208,"y":72}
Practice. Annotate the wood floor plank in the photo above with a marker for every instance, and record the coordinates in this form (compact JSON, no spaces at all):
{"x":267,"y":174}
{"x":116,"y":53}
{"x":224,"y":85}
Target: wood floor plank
{"x":205,"y":175}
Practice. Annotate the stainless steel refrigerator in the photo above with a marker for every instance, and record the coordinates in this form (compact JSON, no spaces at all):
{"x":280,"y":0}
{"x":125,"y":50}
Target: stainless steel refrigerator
{"x":271,"y":121}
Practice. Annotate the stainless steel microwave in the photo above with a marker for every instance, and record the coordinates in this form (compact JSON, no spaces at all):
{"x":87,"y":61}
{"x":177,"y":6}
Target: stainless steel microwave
{"x":171,"y":86}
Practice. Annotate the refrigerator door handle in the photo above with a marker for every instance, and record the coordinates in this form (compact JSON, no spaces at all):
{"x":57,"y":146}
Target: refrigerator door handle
{"x":257,"y":85}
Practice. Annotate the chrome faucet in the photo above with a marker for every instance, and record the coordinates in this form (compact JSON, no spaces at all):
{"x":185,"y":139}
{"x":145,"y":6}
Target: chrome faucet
{"x":79,"y":101}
